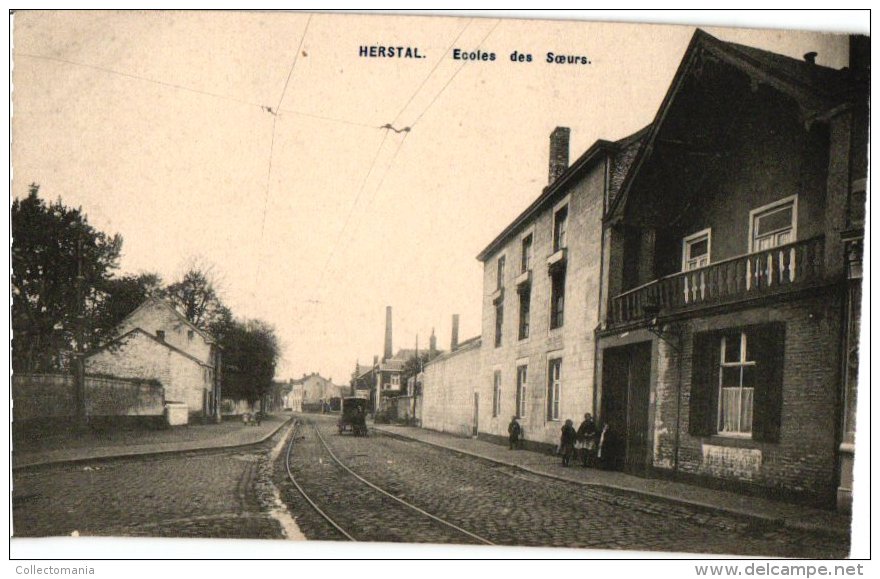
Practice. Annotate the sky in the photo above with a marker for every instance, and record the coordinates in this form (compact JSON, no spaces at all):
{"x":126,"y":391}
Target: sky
{"x":254,"y":142}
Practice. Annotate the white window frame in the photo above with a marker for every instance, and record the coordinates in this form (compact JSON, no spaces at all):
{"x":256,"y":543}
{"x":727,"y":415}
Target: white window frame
{"x":741,"y":363}
{"x":755,"y":213}
{"x":554,"y":391}
{"x":395,"y":380}
{"x":496,"y":393}
{"x":690,"y":240}
{"x":522,"y":387}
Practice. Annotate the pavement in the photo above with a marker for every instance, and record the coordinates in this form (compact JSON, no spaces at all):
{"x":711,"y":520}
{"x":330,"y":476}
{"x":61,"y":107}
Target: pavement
{"x":758,"y":509}
{"x":133,"y":443}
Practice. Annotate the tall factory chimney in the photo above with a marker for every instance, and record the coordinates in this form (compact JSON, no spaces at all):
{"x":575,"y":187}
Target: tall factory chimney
{"x":454,"y":343}
{"x":388,"y":352}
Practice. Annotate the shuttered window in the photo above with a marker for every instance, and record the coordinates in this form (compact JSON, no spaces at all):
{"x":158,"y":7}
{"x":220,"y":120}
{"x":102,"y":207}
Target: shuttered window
{"x":736,"y":382}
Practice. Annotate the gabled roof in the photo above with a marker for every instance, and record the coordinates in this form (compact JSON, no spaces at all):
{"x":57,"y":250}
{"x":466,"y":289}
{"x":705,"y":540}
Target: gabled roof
{"x":814,"y":87}
{"x":120,"y":339}
{"x":164,"y":303}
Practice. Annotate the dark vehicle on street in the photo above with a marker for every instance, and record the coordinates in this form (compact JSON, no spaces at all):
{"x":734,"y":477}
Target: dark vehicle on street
{"x":354,"y":416}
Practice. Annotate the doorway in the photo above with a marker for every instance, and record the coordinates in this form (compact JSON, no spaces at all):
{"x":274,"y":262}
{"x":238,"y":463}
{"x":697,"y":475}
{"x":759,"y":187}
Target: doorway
{"x":626,"y":389}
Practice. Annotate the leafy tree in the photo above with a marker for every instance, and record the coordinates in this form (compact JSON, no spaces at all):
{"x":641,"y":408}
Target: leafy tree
{"x":49,"y":243}
{"x":250,"y":353}
{"x":122,"y":296}
{"x":413,"y":366}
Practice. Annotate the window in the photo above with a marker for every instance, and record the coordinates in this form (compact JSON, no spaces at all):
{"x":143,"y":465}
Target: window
{"x":525,"y":298}
{"x":557,"y":299}
{"x":500,"y":273}
{"x":526,"y":263}
{"x":190,"y":334}
{"x":160,"y":334}
{"x":560,"y":224}
{"x":554,"y":388}
{"x":774,"y":224}
{"x":695,"y":253}
{"x":522,"y":376}
{"x":395,"y":380}
{"x":736,"y":386}
{"x":496,"y":393}
{"x":737,"y":381}
{"x":499,"y":323}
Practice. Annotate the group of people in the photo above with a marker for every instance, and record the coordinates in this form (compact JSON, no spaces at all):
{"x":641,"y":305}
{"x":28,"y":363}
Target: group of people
{"x":596,"y":447}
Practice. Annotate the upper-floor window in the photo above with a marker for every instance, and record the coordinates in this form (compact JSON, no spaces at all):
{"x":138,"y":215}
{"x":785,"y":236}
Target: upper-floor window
{"x":500,"y":273}
{"x":525,"y":298}
{"x":774,"y":224}
{"x":557,"y":299}
{"x":395,"y":379}
{"x":499,"y":323}
{"x":560,"y":225}
{"x":526,"y":263}
{"x":190,"y":335}
{"x":696,"y":250}
{"x":160,"y":334}
{"x":496,"y":393}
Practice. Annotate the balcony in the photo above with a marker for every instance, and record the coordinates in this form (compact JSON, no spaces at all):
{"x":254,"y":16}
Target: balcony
{"x":769,"y":272}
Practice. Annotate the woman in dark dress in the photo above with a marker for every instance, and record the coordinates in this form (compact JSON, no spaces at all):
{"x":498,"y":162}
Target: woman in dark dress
{"x":566,"y":442}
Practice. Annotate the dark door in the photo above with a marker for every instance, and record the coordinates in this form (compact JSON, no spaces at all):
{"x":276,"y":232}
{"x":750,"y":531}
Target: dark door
{"x":626,"y":377}
{"x":476,"y":413}
{"x":637,"y":409}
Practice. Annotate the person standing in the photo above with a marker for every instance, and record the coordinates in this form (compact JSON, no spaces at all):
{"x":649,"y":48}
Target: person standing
{"x":514,"y":431}
{"x":566,"y":442}
{"x":586,"y":437}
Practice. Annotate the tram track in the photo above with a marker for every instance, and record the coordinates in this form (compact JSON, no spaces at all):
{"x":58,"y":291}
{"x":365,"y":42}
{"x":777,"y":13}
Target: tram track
{"x":376,"y":513}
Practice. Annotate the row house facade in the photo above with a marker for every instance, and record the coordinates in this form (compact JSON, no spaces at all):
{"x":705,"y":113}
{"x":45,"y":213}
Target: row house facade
{"x":541,"y":291}
{"x":728,"y":343}
{"x":695,"y":285}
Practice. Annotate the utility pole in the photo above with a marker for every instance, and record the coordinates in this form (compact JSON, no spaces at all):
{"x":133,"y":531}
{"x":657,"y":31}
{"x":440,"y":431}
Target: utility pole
{"x":79,"y":354}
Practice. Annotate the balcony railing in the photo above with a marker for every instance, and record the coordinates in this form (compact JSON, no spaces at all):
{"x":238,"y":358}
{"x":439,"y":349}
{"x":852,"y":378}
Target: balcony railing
{"x":771,"y":271}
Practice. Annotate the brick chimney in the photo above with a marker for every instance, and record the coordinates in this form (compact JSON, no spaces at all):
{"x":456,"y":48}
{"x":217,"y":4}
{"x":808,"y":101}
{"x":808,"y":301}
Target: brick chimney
{"x":558,"y":152}
{"x":388,"y":353}
{"x":432,"y":344}
{"x":454,"y":343}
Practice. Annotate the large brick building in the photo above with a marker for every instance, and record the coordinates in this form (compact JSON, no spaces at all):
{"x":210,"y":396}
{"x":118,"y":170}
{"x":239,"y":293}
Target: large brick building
{"x":725,"y":277}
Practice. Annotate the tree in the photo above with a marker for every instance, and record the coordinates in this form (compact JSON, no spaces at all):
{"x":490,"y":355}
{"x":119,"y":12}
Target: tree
{"x":196,"y":295}
{"x":121,"y":296}
{"x":250,"y":353}
{"x":55,"y":252}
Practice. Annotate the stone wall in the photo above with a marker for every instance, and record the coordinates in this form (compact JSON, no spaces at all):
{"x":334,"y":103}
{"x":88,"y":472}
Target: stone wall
{"x":47,"y":396}
{"x":448,"y":390}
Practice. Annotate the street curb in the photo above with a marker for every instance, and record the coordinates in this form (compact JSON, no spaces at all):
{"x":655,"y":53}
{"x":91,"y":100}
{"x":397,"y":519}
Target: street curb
{"x":765,"y":519}
{"x":150,"y":452}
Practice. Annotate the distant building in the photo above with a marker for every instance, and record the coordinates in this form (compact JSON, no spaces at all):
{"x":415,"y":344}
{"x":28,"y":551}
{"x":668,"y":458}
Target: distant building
{"x":156,"y":341}
{"x":314,"y":391}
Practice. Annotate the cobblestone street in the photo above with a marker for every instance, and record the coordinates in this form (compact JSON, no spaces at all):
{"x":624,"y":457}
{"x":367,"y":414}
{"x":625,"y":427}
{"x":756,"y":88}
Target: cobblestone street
{"x":195,"y":494}
{"x":513,"y":508}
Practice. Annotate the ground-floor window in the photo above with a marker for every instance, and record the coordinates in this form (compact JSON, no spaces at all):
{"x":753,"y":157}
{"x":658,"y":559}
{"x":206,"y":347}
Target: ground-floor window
{"x":522,"y":376}
{"x":554,"y":388}
{"x":736,"y":382}
{"x":496,"y":393}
